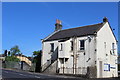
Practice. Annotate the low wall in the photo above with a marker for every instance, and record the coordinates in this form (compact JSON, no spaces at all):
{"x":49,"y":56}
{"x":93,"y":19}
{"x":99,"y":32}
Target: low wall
{"x":16,"y":65}
{"x":52,"y":68}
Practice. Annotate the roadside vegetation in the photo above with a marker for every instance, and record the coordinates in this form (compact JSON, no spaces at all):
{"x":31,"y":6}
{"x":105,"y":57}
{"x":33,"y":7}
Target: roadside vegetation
{"x":119,"y":62}
{"x":10,"y":56}
{"x":37,"y":60}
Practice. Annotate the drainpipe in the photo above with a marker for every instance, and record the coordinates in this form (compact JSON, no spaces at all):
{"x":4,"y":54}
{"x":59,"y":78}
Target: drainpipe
{"x":74,"y":55}
{"x":63,"y":64}
{"x":95,"y":56}
{"x":73,"y":63}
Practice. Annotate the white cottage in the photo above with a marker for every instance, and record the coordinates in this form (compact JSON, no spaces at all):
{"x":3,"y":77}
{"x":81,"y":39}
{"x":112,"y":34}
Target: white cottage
{"x":89,"y":50}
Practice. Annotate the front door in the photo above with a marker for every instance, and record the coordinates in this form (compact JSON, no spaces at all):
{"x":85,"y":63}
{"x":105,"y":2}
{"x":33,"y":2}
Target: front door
{"x":100,"y":69}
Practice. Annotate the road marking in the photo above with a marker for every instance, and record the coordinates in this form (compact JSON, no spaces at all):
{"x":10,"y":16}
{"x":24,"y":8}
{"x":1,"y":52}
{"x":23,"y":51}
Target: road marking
{"x":37,"y":76}
{"x":20,"y":74}
{"x":5,"y":71}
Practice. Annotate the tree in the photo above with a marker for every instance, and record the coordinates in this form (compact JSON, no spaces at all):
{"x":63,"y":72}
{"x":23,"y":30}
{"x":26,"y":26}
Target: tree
{"x":11,"y":54}
{"x":118,"y":63}
{"x":15,"y":50}
{"x":12,"y":58}
{"x":37,"y":60}
{"x":8,"y":53}
{"x":5,"y":53}
{"x":35,"y":55}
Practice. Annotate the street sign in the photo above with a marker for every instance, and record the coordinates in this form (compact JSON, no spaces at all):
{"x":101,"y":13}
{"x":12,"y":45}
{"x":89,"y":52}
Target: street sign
{"x":106,"y":67}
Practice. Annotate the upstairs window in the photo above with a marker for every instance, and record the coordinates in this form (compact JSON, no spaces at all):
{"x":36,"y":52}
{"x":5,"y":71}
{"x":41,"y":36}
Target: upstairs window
{"x":105,"y":45}
{"x":61,"y":48}
{"x":113,"y":47}
{"x":71,"y":45}
{"x":82,"y":44}
{"x":52,"y":47}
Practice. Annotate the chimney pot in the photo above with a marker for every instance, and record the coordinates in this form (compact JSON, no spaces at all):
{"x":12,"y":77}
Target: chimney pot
{"x":58,"y":21}
{"x":105,"y":19}
{"x":58,"y":25}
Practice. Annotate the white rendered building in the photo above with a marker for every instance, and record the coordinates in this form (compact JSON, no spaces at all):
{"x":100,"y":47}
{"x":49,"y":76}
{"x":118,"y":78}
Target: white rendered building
{"x":89,"y":50}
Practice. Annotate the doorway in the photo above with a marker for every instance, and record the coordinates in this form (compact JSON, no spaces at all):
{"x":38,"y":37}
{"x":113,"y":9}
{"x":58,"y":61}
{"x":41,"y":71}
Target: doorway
{"x":100,"y":69}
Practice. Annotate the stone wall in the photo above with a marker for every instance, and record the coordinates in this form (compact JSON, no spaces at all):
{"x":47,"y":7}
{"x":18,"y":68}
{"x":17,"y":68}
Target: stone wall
{"x":52,"y":69}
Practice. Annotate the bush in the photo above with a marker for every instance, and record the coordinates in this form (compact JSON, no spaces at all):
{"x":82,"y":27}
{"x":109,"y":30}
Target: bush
{"x":12,"y":58}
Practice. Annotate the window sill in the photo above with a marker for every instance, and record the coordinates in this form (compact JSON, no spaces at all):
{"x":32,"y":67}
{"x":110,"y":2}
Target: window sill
{"x":81,"y":50}
{"x":71,"y":50}
{"x":50,"y":52}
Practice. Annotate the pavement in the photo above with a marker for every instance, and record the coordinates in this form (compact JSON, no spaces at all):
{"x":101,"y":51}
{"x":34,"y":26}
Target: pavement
{"x":8,"y":74}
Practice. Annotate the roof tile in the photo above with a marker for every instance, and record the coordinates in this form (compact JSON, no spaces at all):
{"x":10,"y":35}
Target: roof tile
{"x":78,"y":31}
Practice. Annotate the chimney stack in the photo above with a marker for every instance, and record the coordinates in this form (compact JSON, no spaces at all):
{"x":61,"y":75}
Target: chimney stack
{"x":105,"y":19}
{"x":58,"y":25}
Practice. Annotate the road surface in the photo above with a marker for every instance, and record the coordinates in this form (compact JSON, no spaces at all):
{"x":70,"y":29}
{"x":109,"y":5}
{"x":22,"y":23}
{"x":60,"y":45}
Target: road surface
{"x":21,"y":75}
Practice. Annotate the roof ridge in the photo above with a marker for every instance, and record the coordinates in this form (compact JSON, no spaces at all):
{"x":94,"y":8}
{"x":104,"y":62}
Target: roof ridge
{"x":78,"y":31}
{"x":82,"y":26}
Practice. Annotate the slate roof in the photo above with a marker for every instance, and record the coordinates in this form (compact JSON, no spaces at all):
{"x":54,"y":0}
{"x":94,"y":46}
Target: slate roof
{"x":78,"y":31}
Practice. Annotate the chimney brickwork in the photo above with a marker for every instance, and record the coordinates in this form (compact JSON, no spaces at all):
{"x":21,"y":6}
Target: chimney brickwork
{"x":58,"y":25}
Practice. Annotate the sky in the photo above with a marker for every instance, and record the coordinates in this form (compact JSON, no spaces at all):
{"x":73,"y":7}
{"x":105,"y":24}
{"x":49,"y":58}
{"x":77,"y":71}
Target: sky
{"x":26,"y":23}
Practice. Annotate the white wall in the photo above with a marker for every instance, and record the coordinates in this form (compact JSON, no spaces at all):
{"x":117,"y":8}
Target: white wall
{"x":46,"y":47}
{"x":81,"y":59}
{"x":95,"y":51}
{"x":105,"y":35}
{"x":67,"y":53}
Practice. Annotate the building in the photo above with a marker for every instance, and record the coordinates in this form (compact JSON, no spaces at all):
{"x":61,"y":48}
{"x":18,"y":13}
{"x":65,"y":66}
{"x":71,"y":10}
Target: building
{"x":89,"y":50}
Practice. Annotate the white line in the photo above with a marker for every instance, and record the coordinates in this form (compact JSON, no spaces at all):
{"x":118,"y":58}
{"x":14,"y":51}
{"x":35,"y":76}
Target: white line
{"x":20,"y":74}
{"x":37,"y":76}
{"x":5,"y":71}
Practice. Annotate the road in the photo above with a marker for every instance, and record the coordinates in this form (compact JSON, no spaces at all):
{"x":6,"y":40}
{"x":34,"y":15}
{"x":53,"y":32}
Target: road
{"x":22,"y":75}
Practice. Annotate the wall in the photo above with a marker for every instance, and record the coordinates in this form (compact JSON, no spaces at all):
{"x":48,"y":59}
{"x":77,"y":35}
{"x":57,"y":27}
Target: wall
{"x":83,"y":61}
{"x":103,"y":52}
{"x":52,"y":68}
{"x":47,"y":54}
{"x":24,"y":59}
{"x":85,"y":58}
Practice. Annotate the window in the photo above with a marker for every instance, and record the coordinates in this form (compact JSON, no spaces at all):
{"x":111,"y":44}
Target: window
{"x":52,"y":47}
{"x":113,"y":47}
{"x":61,"y":48}
{"x":71,"y":45}
{"x":105,"y":45}
{"x":82,"y":44}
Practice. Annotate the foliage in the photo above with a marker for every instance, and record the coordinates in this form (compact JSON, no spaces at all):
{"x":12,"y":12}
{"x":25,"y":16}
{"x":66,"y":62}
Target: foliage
{"x":11,"y":54}
{"x":36,"y":54}
{"x":118,"y":63}
{"x":12,"y":58}
{"x":8,"y":53}
{"x":15,"y":50}
{"x":118,"y":67}
{"x":37,"y":60}
{"x":5,"y":53}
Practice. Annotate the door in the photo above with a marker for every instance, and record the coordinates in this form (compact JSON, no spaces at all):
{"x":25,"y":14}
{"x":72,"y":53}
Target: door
{"x":100,"y":69}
